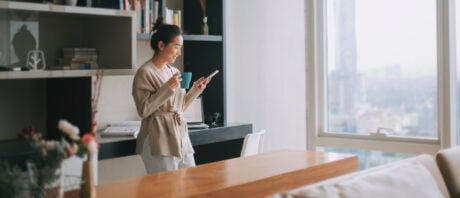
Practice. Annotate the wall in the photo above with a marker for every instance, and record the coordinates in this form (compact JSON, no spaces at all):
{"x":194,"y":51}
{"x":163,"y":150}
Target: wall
{"x":266,"y":72}
{"x":116,"y":102}
{"x":266,"y":69}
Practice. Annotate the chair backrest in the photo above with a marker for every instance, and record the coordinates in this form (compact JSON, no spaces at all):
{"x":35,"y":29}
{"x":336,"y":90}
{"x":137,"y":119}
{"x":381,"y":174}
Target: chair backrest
{"x":449,"y":164}
{"x":120,"y":168}
{"x":253,"y":143}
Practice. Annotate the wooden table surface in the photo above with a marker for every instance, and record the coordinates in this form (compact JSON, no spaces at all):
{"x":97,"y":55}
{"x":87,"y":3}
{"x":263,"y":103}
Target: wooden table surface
{"x":253,"y":176}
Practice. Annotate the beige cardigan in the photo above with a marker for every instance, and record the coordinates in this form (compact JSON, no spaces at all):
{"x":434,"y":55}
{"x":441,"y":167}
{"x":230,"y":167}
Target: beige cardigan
{"x":161,"y":110}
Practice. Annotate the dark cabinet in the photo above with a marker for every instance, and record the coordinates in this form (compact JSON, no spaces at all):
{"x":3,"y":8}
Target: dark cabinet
{"x":219,"y":143}
{"x":203,"y":54}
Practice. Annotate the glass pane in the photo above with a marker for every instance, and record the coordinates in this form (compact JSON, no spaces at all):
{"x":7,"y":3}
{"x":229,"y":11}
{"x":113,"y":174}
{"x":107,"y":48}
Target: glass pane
{"x":369,"y":158}
{"x":381,"y":67}
{"x":457,"y":19}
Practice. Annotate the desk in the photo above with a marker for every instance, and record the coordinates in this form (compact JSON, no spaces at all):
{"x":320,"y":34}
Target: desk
{"x":212,"y":144}
{"x":253,"y":176}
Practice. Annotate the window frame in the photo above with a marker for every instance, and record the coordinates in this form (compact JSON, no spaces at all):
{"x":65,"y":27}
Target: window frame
{"x":446,"y":93}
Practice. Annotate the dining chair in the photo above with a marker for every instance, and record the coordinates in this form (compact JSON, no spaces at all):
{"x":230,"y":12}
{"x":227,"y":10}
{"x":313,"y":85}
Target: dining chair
{"x":253,"y":143}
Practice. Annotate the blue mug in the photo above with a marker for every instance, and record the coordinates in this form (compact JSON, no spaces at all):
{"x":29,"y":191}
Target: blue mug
{"x":186,"y":79}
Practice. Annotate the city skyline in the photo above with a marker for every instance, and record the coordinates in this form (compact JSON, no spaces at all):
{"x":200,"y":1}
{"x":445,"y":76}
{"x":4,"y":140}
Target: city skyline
{"x":372,"y":84}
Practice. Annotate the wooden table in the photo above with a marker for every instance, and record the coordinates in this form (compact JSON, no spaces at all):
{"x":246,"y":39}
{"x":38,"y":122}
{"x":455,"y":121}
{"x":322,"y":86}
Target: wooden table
{"x":253,"y":176}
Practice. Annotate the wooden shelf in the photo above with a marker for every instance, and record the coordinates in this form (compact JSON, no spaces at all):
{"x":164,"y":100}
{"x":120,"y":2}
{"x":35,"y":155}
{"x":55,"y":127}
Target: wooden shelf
{"x":192,"y":37}
{"x":24,"y":6}
{"x":62,"y":73}
{"x":41,"y":7}
{"x":143,"y":36}
{"x":187,"y":37}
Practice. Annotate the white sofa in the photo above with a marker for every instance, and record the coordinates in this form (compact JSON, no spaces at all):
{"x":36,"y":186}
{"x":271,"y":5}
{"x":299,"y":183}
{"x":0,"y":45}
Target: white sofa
{"x":420,"y":176}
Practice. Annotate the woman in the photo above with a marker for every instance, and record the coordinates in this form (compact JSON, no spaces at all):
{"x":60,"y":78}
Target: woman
{"x":163,"y":140}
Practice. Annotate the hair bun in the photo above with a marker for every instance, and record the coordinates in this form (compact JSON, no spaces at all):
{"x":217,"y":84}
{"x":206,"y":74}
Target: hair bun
{"x":158,"y":23}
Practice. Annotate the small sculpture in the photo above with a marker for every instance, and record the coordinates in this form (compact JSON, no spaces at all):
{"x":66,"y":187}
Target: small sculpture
{"x":71,"y":2}
{"x":216,"y":116}
{"x":204,"y":25}
{"x":205,"y":28}
{"x":36,"y":60}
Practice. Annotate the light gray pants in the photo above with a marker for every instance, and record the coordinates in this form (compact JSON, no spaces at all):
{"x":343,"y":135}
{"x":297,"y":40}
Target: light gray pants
{"x":160,"y":163}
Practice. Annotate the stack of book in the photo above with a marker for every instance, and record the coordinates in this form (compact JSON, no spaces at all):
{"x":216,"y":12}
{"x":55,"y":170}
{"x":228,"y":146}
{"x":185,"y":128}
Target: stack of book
{"x":78,"y":58}
{"x":147,"y":13}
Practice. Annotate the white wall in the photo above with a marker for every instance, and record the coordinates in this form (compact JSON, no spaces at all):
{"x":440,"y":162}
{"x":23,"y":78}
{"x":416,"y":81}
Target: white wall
{"x":116,"y":102}
{"x":266,"y":69}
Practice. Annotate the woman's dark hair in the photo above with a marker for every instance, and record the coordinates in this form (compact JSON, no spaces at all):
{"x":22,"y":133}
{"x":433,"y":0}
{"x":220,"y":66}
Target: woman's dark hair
{"x":163,"y":32}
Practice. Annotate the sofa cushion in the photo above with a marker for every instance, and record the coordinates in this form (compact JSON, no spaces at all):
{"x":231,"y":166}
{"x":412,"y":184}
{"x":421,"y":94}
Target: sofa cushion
{"x":407,"y":179}
{"x":449,"y":163}
{"x":430,"y":163}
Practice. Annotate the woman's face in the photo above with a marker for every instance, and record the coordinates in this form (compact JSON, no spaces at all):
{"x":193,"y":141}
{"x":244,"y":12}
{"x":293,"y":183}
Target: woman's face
{"x":173,"y":50}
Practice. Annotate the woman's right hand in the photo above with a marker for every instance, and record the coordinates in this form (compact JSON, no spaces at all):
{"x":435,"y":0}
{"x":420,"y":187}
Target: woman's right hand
{"x":174,"y":81}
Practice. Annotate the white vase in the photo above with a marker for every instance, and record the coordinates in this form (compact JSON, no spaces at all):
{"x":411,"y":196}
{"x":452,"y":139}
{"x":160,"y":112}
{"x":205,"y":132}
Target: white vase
{"x":94,"y":164}
{"x":71,"y":2}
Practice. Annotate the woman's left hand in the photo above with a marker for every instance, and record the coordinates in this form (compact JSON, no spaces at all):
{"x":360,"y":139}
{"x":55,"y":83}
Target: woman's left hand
{"x":201,"y":83}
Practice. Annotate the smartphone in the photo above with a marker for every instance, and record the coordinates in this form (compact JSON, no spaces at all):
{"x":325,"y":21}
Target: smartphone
{"x":213,"y":74}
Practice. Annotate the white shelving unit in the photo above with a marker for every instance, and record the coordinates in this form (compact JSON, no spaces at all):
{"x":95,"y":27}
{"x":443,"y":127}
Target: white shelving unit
{"x":111,"y":32}
{"x":62,"y":73}
{"x":24,"y":6}
{"x":43,"y":7}
{"x":187,"y":37}
{"x":41,"y":98}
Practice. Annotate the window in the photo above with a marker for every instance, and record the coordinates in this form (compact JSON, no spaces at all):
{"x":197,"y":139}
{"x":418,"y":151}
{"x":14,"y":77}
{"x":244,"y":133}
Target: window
{"x":457,"y":20}
{"x":381,"y":67}
{"x":369,"y":158}
{"x":378,"y":77}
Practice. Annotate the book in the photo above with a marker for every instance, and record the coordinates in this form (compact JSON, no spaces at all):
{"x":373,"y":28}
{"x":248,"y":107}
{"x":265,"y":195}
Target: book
{"x":79,"y":52}
{"x":126,"y":5}
{"x":78,"y":55}
{"x":177,"y":18}
{"x":79,"y":49}
{"x":155,"y":10}
{"x":146,"y":16}
{"x":66,"y":61}
{"x":152,"y":13}
{"x":169,"y":16}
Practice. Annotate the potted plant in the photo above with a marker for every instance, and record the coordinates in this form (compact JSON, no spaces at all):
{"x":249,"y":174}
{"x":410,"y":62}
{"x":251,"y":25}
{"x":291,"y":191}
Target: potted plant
{"x":10,"y":180}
